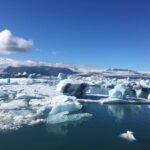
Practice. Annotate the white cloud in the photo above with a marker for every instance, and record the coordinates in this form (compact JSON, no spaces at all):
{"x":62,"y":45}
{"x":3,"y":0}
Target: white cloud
{"x":11,"y":44}
{"x":55,"y":53}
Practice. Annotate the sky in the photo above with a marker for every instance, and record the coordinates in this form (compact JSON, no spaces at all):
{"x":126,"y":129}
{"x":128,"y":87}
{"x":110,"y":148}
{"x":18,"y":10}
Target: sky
{"x":100,"y":33}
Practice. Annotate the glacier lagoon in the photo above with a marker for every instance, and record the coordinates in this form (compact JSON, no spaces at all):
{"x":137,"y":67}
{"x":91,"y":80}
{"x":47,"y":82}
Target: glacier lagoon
{"x":74,"y":113}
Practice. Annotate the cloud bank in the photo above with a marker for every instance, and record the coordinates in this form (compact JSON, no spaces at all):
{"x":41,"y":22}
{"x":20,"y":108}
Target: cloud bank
{"x":11,"y":44}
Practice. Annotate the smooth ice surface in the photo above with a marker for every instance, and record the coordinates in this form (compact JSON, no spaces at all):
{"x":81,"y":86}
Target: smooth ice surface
{"x":128,"y":136}
{"x":70,"y":107}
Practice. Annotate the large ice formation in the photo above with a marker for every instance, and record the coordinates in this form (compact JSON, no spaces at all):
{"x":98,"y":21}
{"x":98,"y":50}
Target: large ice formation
{"x":70,"y":107}
{"x":72,"y":87}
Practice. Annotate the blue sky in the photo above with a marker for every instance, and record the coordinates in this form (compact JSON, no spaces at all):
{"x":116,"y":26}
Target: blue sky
{"x":101,"y":33}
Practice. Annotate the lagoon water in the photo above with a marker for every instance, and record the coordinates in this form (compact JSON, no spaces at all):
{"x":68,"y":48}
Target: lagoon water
{"x":100,"y":132}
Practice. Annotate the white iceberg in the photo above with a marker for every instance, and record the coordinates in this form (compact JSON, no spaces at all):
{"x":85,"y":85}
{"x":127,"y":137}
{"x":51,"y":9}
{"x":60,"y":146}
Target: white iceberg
{"x":122,"y":91}
{"x":62,"y":98}
{"x":3,"y":94}
{"x":62,"y":76}
{"x":115,"y":94}
{"x":128,"y":136}
{"x":70,"y":107}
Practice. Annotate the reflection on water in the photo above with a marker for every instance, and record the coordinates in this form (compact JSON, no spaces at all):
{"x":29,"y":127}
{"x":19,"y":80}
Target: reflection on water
{"x":63,"y":128}
{"x":100,"y":132}
{"x":122,"y":111}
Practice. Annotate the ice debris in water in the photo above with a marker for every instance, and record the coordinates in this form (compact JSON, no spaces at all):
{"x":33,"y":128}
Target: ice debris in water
{"x":15,"y":104}
{"x":63,"y":112}
{"x":128,"y":136}
{"x":62,"y":76}
{"x":27,"y":101}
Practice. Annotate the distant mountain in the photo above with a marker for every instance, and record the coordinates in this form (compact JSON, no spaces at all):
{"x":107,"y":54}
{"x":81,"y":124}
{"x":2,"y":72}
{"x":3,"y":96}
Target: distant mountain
{"x":117,"y":73}
{"x":122,"y":71}
{"x":43,"y":70}
{"x":10,"y":66}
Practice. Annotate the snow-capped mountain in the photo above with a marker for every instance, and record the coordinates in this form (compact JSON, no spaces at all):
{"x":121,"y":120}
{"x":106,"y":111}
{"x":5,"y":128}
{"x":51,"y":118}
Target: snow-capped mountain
{"x":14,"y":66}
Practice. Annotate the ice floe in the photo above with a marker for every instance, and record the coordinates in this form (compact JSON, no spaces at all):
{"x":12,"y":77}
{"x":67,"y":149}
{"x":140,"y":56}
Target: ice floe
{"x":70,"y":107}
{"x":128,"y":136}
{"x":15,"y":104}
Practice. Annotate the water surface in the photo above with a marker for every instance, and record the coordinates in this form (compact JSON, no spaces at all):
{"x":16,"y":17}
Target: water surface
{"x":100,"y":132}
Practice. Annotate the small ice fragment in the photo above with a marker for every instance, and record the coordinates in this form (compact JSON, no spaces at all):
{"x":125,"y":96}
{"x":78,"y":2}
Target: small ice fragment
{"x":128,"y":136}
{"x":62,"y":76}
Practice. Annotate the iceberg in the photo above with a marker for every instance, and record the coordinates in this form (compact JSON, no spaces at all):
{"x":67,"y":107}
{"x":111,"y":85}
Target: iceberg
{"x":115,"y":94}
{"x":128,"y":136}
{"x":62,"y":76}
{"x":75,"y":88}
{"x":142,"y":93}
{"x":62,"y":98}
{"x":122,"y":92}
{"x":70,"y":107}
{"x":3,"y":94}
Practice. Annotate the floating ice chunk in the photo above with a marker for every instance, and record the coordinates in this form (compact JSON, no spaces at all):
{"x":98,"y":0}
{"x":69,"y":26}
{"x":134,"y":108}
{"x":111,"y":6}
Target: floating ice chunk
{"x":16,"y":104}
{"x":122,"y":91}
{"x":37,"y":121}
{"x":62,"y":76}
{"x":24,"y":73}
{"x":75,"y":88}
{"x":64,"y":117}
{"x":149,"y":96}
{"x":70,"y":107}
{"x":61,"y":99}
{"x":128,"y":136}
{"x":22,"y":81}
{"x":4,"y":81}
{"x":3,"y":94}
{"x":27,"y":96}
{"x":142,"y":93}
{"x":115,"y":94}
{"x":94,"y":89}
